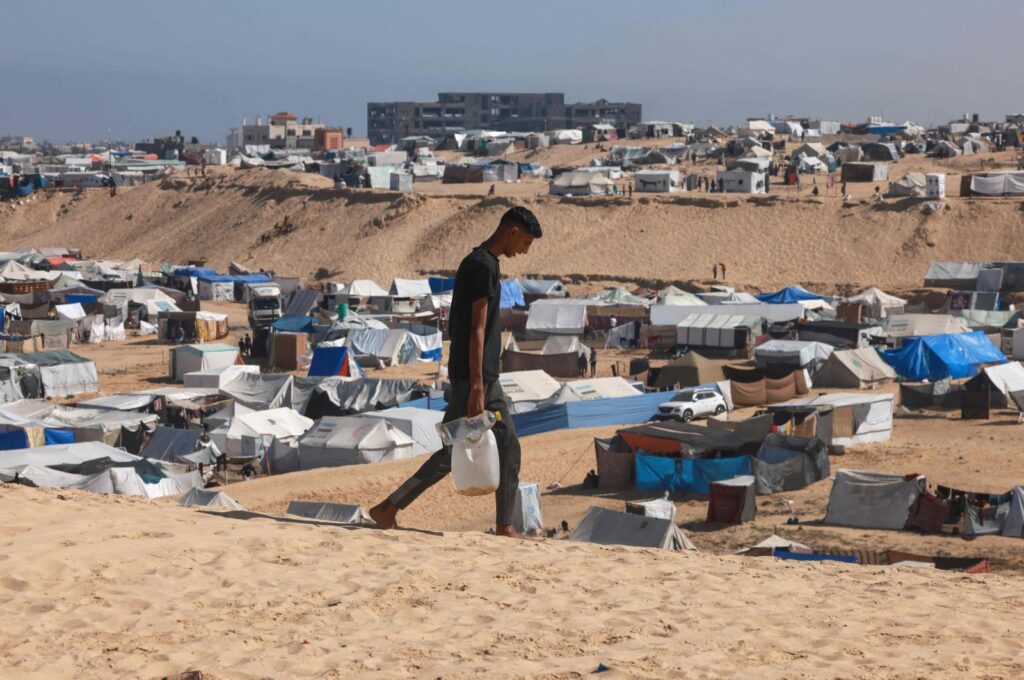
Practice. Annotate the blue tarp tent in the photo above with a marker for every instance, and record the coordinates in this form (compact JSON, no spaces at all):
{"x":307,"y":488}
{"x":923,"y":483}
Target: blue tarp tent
{"x":788,"y":295}
{"x":440,"y":284}
{"x":934,"y":357}
{"x":195,"y":271}
{"x":51,"y":437}
{"x":13,"y":439}
{"x":511,"y":294}
{"x":330,"y":361}
{"x":294,"y":324}
{"x":81,"y":299}
{"x":680,"y":475}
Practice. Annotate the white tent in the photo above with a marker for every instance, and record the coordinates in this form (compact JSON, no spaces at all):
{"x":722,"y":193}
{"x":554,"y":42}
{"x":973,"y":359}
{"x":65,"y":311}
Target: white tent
{"x":741,"y":181}
{"x":361,"y":288}
{"x":218,"y":377}
{"x":335,"y":441}
{"x":551,"y":317}
{"x":657,"y":181}
{"x":608,"y":527}
{"x":593,"y":388}
{"x":418,"y":423}
{"x":914,"y":325}
{"x":671,"y":315}
{"x":209,"y":499}
{"x":205,"y":357}
{"x":565,"y":136}
{"x":410,"y":288}
{"x":857,"y":417}
{"x":72,"y":312}
{"x":283,"y":424}
{"x":63,"y":454}
{"x":798,"y":353}
{"x":877,"y":303}
{"x":526,"y":389}
{"x":580,"y":183}
{"x":872,"y":500}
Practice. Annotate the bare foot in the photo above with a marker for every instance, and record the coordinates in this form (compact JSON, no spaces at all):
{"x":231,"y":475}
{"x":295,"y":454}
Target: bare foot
{"x":384,"y":514}
{"x":508,"y":531}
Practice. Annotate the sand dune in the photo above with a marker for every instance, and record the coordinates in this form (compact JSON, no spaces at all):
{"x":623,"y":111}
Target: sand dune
{"x":150,"y":590}
{"x":767,"y":242}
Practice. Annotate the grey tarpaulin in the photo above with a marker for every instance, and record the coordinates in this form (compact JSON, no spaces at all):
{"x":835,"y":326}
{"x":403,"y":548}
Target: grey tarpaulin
{"x":209,"y":499}
{"x":169,"y":443}
{"x":872,"y":500}
{"x":786,"y":463}
{"x":331,"y":512}
{"x":608,"y":527}
{"x":527,"y":517}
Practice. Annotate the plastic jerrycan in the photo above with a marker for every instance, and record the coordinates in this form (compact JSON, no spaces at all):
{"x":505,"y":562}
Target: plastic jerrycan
{"x":475,"y":462}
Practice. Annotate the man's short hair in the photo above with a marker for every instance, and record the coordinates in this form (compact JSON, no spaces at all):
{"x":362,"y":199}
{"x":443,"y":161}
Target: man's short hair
{"x":523,"y":218}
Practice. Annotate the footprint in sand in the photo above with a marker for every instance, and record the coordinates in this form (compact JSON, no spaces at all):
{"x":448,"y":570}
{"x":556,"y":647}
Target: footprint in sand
{"x":15,"y":584}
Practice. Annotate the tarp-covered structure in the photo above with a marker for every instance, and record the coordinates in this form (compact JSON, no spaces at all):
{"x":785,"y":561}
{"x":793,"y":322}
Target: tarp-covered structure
{"x":348,"y":440}
{"x":796,"y":353}
{"x":859,"y":368}
{"x":872,"y":500}
{"x":877,"y":303}
{"x":690,"y":370}
{"x":556,"y":318}
{"x":609,"y":527}
{"x":934,"y":357}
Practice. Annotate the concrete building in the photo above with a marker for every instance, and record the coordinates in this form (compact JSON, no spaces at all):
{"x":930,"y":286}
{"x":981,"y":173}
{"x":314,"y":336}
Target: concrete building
{"x":281,"y":131}
{"x":388,"y":122}
{"x":18,"y":143}
{"x":328,"y":139}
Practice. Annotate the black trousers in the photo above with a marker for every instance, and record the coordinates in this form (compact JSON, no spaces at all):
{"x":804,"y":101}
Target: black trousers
{"x":439,"y":465}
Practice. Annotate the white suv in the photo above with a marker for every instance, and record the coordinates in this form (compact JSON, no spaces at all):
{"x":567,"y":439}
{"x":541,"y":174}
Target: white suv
{"x":690,"y":404}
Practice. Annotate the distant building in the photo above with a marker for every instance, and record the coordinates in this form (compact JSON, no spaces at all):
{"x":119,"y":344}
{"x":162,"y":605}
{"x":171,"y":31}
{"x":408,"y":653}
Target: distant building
{"x":388,"y":122}
{"x":328,"y":139}
{"x":234,"y":139}
{"x":17,"y":143}
{"x":281,"y":131}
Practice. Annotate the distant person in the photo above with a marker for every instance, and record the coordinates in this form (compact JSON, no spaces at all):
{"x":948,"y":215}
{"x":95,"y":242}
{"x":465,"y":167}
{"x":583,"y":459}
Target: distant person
{"x":814,"y":190}
{"x":490,"y":192}
{"x":844,"y":188}
{"x":581,"y":364}
{"x":714,"y":271}
{"x":629,"y":185}
{"x":721,"y":265}
{"x":879,"y":198}
{"x":593,"y":363}
{"x":179,"y":334}
{"x":613,"y":322}
{"x":712,"y":189}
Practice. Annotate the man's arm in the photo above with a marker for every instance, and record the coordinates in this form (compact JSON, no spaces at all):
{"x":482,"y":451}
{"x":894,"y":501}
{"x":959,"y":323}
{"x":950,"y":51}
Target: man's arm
{"x":476,"y":358}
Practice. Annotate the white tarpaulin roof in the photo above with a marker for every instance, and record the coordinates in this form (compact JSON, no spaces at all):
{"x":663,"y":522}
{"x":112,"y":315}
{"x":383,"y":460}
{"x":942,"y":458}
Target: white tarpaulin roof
{"x":418,"y":423}
{"x":281,"y":423}
{"x":914,"y":325}
{"x":1006,"y":378}
{"x":548,"y":316}
{"x":953,"y":271}
{"x":73,"y":311}
{"x":348,"y":440}
{"x":671,"y":315}
{"x":364,"y":288}
{"x":209,"y":499}
{"x":410,"y":288}
{"x":594,"y":388}
{"x":879,"y":303}
{"x":63,"y":454}
{"x":522,"y":386}
{"x":792,"y":351}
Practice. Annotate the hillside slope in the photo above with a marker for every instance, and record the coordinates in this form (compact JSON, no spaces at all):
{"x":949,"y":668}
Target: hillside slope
{"x":766,"y":242}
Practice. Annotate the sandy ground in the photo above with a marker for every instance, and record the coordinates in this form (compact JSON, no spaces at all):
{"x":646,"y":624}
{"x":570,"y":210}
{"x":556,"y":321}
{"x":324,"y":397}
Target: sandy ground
{"x":788,"y":237}
{"x":132,"y":588}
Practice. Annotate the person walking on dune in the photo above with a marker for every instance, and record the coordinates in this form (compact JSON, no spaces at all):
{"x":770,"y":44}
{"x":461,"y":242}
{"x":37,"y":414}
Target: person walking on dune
{"x":475,"y":330}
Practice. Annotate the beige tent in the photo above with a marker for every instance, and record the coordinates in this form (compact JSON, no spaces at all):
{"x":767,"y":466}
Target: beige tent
{"x":854,"y":368}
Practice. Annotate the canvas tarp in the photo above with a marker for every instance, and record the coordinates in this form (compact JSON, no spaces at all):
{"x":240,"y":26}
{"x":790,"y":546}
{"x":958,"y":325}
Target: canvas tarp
{"x":170,"y":443}
{"x":959,"y":275}
{"x":916,"y":325}
{"x":798,"y":353}
{"x":1013,"y":525}
{"x":608,"y":527}
{"x":671,"y":315}
{"x":562,"y":318}
{"x":854,"y":369}
{"x":788,"y":463}
{"x":336,"y":441}
{"x":209,"y":499}
{"x":877,"y":303}
{"x":872,"y":500}
{"x":690,"y":370}
{"x":330,"y":512}
{"x":418,"y":423}
{"x":279,"y":423}
{"x":344,"y":395}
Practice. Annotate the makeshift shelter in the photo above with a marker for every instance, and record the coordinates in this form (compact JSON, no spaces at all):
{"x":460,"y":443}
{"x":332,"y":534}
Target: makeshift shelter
{"x":994,"y":387}
{"x":281,"y":424}
{"x":899,"y":326}
{"x":560,"y":365}
{"x":550,"y":317}
{"x":716,"y":329}
{"x":789,"y":463}
{"x":732,"y":501}
{"x":690,"y":370}
{"x":741,"y":181}
{"x":209,"y":499}
{"x":215,"y":378}
{"x":657,"y":181}
{"x":872,"y":500}
{"x":331,"y":361}
{"x":204,"y":357}
{"x":911,"y":184}
{"x":855,"y":417}
{"x":511,"y":294}
{"x":336,"y":441}
{"x":410,"y":288}
{"x":877,"y":303}
{"x":794,"y":353}
{"x":526,"y":389}
{"x":854,"y":369}
{"x":608,"y":527}
{"x":420,"y":424}
{"x":685,"y":475}
{"x":543,"y":289}
{"x":580,"y":183}
{"x":865,"y":172}
{"x":935,"y":357}
{"x":788,"y":295}
{"x":956,"y":275}
{"x":169,"y":443}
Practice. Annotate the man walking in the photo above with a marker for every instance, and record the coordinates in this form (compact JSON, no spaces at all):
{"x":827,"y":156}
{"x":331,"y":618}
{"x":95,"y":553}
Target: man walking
{"x":475,"y":330}
{"x":593,"y":363}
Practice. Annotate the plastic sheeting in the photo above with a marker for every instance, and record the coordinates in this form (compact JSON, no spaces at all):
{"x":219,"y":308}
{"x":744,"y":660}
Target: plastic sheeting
{"x":872,"y":500}
{"x":1013,"y":526}
{"x":788,"y":295}
{"x":568,"y":318}
{"x":683,"y":475}
{"x":935,"y":357}
{"x":591,"y":413}
{"x":511,"y":294}
{"x":1010,"y":184}
{"x":334,"y":442}
{"x":608,"y":527}
{"x":209,"y":499}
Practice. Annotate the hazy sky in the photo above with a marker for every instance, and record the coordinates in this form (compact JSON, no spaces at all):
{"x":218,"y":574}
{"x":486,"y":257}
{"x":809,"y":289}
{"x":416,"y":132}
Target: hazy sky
{"x":74,"y":70}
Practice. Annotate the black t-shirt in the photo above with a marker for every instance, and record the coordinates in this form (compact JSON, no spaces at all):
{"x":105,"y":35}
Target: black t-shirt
{"x":478,"y":277}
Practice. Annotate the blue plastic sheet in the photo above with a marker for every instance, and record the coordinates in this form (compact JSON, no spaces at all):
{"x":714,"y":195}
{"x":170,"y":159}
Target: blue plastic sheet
{"x":440,"y":284}
{"x":51,"y":437}
{"x":511,"y":294}
{"x":591,"y":413}
{"x":13,"y":439}
{"x":679,"y":475}
{"x":294,"y":324}
{"x":935,"y":357}
{"x":787,"y":296}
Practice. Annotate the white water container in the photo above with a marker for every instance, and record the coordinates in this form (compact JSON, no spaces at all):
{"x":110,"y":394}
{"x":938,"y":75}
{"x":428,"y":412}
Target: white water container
{"x":475,"y":465}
